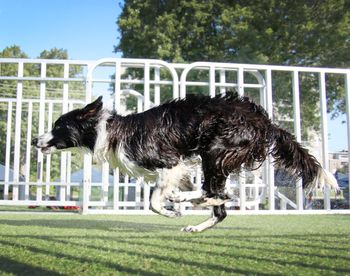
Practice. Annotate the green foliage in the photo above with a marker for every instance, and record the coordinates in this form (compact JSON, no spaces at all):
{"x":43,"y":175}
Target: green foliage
{"x":272,"y":32}
{"x":153,"y":245}
{"x":303,"y":33}
{"x":13,"y":51}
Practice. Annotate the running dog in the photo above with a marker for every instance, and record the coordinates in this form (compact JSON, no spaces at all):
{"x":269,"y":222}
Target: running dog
{"x":227,"y":133}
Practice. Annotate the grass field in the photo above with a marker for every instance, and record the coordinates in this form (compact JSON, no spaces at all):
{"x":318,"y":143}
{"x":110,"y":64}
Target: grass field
{"x":37,"y":244}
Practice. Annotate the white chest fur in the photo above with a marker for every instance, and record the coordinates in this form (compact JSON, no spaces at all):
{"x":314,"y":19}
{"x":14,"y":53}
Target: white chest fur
{"x":131,"y":168}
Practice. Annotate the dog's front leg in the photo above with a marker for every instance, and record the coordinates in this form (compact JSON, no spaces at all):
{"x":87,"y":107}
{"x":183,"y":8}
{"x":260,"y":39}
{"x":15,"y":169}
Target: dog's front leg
{"x":158,"y":200}
{"x":218,"y":215}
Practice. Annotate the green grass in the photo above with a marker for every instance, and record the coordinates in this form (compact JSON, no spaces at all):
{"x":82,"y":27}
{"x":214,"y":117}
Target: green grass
{"x":39,"y":244}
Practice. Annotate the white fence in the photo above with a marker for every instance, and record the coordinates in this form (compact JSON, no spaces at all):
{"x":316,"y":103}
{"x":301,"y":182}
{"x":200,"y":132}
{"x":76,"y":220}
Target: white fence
{"x":33,"y":93}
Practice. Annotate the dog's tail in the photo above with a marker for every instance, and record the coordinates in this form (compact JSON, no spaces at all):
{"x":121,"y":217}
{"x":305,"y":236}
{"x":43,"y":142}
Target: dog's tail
{"x":291,"y":155}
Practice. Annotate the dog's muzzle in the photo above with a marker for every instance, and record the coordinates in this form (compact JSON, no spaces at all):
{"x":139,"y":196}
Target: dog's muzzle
{"x":42,"y":143}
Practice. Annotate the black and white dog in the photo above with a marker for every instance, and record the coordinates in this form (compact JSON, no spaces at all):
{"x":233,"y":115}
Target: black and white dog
{"x":163,"y":143}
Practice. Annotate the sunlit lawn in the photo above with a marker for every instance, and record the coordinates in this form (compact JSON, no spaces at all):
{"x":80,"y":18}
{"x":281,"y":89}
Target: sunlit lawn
{"x":38,"y":244}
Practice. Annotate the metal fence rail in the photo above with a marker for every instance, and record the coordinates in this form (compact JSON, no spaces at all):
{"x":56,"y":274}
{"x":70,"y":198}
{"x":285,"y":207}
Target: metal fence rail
{"x":34,"y":92}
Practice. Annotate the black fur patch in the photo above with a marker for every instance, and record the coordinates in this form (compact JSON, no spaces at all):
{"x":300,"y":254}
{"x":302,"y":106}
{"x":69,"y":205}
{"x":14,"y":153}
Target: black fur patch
{"x":226,"y":131}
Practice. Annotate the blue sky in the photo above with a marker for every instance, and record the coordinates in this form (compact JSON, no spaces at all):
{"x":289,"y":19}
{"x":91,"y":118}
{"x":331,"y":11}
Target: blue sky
{"x":337,"y":134}
{"x":87,"y":29}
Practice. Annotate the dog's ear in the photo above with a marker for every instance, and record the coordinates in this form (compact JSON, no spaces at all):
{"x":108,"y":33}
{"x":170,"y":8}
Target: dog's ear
{"x":93,"y":108}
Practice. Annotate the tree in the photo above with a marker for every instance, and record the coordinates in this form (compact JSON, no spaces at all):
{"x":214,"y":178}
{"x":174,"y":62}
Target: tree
{"x":303,"y":33}
{"x":272,"y":32}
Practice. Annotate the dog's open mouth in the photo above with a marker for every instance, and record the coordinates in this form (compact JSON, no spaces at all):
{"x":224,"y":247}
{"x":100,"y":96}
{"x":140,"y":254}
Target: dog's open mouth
{"x":47,"y":150}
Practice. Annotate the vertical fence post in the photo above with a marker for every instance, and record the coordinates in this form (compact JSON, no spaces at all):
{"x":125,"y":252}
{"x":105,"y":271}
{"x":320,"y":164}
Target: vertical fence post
{"x":105,"y":182}
{"x":17,"y":144}
{"x":8,"y":150}
{"x":183,"y":85}
{"x":63,"y":189}
{"x":347,"y":87}
{"x":126,"y":190}
{"x":297,"y":133}
{"x":325,"y":163}
{"x":48,"y":158}
{"x":86,"y":183}
{"x":41,"y":129}
{"x":146,"y":97}
{"x":87,"y":157}
{"x":116,"y":182}
{"x":271,"y":176}
{"x":146,"y":92}
{"x":240,"y":81}
{"x":116,"y":172}
{"x":222,"y":81}
{"x":156,"y":85}
{"x":263,"y":102}
{"x":241,"y":179}
{"x":68,"y":177}
{"x":69,"y":166}
{"x":28,"y":149}
{"x":212,"y":81}
{"x":137,"y":194}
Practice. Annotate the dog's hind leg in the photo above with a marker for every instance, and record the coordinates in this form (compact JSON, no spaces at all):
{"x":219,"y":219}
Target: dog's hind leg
{"x":158,"y":200}
{"x":169,"y":183}
{"x":218,"y":215}
{"x":214,"y":193}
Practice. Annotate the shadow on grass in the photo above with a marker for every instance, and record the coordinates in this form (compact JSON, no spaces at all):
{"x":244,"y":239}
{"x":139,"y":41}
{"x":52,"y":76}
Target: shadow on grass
{"x":82,"y":260}
{"x":294,"y":240}
{"x":11,"y":266}
{"x":105,"y":225}
{"x":198,"y":247}
{"x":254,"y":254}
{"x":120,"y":225}
{"x":150,"y":241}
{"x":109,"y":225}
{"x":220,"y":268}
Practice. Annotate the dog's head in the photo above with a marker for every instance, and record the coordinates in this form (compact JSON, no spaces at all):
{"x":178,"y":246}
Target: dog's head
{"x":76,"y":128}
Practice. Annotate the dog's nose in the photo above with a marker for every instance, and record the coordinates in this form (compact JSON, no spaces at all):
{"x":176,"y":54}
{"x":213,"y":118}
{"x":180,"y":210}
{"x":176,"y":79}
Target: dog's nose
{"x":34,"y":141}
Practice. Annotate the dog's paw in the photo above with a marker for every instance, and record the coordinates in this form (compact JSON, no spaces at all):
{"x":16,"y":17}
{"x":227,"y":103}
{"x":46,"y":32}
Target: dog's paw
{"x":174,"y":214}
{"x":170,"y":213}
{"x":190,"y":229}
